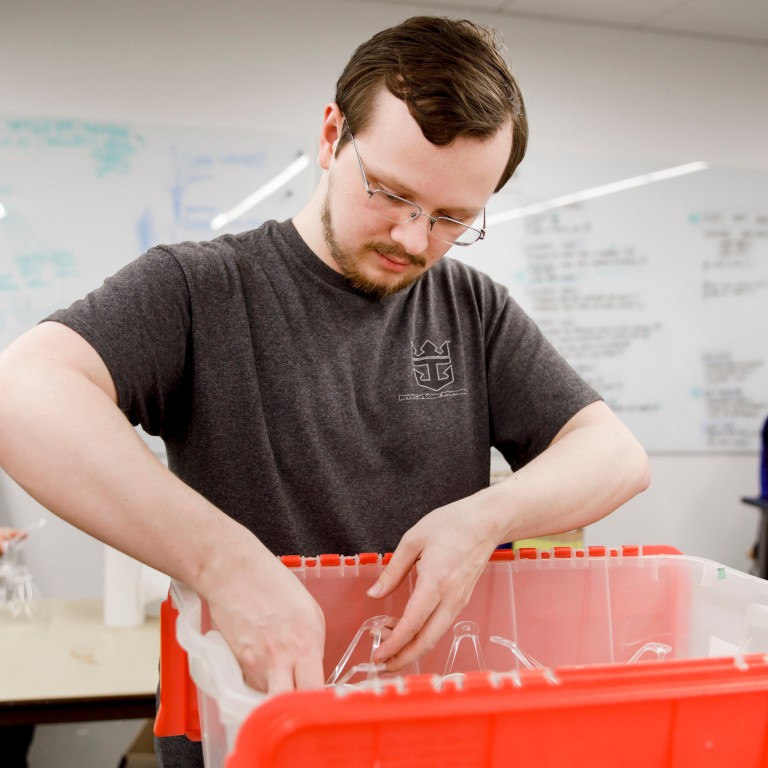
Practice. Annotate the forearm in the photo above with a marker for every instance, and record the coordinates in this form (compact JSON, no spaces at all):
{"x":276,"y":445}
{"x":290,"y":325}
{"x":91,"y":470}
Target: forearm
{"x":591,"y":467}
{"x":587,"y":472}
{"x":63,"y":439}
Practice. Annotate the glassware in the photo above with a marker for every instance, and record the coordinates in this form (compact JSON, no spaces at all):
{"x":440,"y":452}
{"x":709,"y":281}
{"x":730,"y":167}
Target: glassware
{"x":18,"y":591}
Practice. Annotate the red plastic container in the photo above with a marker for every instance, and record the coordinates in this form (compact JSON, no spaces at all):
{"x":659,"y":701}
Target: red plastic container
{"x":693,"y":713}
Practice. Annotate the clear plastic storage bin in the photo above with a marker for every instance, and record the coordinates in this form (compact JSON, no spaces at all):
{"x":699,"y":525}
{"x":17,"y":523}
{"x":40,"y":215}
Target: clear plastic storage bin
{"x":570,"y":657}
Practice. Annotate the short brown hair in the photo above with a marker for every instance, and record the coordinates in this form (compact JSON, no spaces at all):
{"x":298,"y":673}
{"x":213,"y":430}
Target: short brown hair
{"x":451,"y":74}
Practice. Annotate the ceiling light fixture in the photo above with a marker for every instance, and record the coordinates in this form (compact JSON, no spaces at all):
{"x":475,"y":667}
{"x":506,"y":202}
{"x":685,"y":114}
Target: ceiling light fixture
{"x":593,"y":192}
{"x":282,"y":178}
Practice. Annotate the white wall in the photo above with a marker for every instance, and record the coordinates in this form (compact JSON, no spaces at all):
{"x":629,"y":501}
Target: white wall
{"x":252,"y":64}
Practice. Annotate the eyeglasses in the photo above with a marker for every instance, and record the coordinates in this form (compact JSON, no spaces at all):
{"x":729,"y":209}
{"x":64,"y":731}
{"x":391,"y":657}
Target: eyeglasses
{"x":400,"y":211}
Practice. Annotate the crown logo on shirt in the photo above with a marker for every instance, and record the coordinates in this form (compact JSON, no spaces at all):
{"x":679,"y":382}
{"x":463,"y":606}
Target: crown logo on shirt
{"x":432,"y":365}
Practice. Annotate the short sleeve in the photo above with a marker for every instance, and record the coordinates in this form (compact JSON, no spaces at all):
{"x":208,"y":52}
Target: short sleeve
{"x":138,"y":322}
{"x":533,"y":391}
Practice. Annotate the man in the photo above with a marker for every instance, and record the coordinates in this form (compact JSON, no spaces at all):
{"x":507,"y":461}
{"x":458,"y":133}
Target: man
{"x":330,"y":384}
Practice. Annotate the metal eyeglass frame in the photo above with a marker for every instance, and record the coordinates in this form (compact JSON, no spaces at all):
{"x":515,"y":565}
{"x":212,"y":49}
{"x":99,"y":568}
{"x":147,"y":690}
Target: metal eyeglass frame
{"x":418,"y":210}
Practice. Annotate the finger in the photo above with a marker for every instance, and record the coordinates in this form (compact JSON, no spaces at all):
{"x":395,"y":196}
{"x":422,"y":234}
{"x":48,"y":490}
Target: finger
{"x":423,"y":642}
{"x":385,"y":631}
{"x":309,"y":673}
{"x":280,"y":680}
{"x":401,"y":562}
{"x":422,"y":604}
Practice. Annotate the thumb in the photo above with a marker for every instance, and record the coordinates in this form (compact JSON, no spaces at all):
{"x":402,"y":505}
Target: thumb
{"x":395,"y":571}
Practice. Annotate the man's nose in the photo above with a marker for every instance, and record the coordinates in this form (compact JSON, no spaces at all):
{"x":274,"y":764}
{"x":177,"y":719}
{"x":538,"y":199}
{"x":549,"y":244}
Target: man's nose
{"x":413,"y":236}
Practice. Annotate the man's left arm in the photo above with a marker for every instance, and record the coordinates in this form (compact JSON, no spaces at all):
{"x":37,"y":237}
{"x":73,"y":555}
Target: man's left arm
{"x":592,"y":466}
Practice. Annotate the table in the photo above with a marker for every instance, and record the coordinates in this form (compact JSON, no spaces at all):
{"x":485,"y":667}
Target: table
{"x":64,"y":665}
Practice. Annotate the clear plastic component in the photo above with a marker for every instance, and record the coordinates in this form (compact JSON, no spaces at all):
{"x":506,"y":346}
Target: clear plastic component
{"x":373,"y":628}
{"x":469,"y":631}
{"x":523,"y":658}
{"x":653,"y":652}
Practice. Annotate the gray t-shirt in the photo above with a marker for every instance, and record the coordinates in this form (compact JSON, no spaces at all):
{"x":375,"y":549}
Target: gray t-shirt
{"x":325,"y":420}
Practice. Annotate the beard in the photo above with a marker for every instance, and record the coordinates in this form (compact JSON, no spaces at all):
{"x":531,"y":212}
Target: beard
{"x":349,"y":264}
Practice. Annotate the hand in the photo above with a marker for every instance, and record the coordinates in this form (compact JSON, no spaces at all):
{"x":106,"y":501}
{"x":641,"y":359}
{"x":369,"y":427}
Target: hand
{"x":273,"y":625}
{"x":450,"y":548}
{"x":8,"y":534}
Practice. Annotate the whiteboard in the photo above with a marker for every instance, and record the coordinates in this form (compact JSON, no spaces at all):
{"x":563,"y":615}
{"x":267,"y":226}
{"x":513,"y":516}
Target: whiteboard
{"x":83,"y":198}
{"x":657,"y":295}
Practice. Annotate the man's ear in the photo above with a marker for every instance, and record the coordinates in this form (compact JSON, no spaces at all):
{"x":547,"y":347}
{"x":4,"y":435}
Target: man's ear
{"x":330,"y":133}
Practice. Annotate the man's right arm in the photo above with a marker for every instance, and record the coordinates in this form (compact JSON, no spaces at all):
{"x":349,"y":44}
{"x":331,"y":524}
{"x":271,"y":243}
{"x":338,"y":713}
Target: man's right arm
{"x":66,"y":442}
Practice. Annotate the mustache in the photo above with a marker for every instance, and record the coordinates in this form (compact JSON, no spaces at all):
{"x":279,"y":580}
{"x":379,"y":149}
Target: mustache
{"x":388,"y":249}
